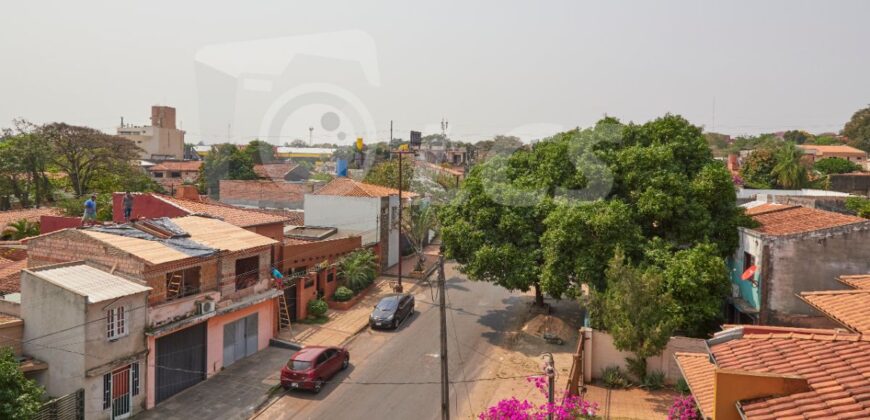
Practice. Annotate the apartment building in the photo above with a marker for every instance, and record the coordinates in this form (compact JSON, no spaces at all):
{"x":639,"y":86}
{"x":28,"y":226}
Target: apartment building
{"x":159,"y":141}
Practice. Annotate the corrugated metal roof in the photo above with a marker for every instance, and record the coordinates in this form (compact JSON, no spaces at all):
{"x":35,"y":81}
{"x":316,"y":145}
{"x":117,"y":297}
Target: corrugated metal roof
{"x":84,"y":280}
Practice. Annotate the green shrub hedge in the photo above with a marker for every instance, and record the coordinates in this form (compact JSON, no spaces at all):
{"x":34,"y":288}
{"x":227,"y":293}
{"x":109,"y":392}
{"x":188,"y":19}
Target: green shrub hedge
{"x":317,"y":308}
{"x":342,"y":294}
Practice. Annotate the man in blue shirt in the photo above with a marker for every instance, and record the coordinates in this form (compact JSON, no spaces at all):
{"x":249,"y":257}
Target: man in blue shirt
{"x":90,"y":216}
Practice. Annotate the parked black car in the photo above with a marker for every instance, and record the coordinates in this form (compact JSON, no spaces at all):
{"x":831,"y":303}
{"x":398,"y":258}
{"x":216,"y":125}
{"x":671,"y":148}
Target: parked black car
{"x":392,"y":310}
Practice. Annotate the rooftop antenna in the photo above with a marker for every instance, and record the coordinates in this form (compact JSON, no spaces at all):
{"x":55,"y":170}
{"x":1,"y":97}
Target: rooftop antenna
{"x":122,"y":121}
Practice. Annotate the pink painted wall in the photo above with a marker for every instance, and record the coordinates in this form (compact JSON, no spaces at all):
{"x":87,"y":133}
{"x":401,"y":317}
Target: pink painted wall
{"x":144,"y":206}
{"x":215,"y":341}
{"x":215,"y":335}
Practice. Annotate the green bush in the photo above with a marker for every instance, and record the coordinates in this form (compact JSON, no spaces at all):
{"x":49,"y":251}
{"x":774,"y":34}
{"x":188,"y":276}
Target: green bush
{"x":317,"y":308}
{"x":682,"y":387}
{"x":615,"y":378}
{"x":654,"y":380}
{"x":342,"y":294}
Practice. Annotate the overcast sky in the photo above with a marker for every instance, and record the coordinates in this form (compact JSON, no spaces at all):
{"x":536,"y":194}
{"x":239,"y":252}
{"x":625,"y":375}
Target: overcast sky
{"x":347,"y":68}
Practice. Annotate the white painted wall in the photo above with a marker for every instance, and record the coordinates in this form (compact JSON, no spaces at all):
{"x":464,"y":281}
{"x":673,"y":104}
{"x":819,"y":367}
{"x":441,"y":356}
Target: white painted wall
{"x":357,"y":214}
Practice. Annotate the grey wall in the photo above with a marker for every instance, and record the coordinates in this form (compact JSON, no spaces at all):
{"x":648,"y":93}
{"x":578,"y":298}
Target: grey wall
{"x":812,"y":262}
{"x":54,"y":332}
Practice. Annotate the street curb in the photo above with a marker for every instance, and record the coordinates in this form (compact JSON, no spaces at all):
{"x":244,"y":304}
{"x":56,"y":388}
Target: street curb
{"x":283,"y":344}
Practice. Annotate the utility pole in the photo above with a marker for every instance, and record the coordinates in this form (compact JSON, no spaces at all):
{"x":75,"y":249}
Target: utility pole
{"x":550,"y":370}
{"x":445,"y":379}
{"x":391,"y":133}
{"x":400,"y":152}
{"x":310,"y":135}
{"x":444,"y":125}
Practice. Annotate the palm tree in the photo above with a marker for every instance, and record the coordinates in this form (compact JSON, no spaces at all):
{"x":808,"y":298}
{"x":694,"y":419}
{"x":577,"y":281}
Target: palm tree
{"x":21,"y":229}
{"x":417,"y":221}
{"x":789,"y":170}
{"x":358,"y":269}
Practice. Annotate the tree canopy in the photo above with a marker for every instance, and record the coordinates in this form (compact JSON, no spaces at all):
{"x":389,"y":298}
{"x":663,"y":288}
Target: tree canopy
{"x":20,"y":398}
{"x":260,"y":152}
{"x":225,"y":161}
{"x":835,"y":165}
{"x":386,"y":173}
{"x":550,"y":216}
{"x":857,"y":130}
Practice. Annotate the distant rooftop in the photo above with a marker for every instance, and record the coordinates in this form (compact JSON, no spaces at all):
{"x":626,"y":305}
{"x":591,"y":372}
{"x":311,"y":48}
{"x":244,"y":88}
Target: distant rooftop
{"x":230,"y":214}
{"x":346,"y":187}
{"x":780,"y":219}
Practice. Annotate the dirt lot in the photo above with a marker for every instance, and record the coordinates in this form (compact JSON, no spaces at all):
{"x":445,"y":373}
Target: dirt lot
{"x":520,"y":355}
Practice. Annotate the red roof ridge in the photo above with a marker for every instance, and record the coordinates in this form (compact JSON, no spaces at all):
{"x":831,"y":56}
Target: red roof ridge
{"x":772,"y":209}
{"x":834,"y":292}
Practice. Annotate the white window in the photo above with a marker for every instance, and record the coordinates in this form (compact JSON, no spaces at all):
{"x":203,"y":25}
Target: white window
{"x":116,"y":323}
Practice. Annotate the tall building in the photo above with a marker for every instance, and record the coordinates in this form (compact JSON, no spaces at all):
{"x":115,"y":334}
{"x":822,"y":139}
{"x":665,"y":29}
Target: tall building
{"x":161,"y":140}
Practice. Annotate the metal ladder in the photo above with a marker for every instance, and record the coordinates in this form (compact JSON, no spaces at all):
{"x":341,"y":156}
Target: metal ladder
{"x":283,"y":311}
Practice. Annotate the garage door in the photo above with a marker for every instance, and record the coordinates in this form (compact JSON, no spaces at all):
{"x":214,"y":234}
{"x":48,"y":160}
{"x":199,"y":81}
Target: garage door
{"x":240,"y":339}
{"x":180,"y":361}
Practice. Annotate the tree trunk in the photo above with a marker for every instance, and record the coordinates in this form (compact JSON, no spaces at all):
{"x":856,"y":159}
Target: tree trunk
{"x":539,"y":296}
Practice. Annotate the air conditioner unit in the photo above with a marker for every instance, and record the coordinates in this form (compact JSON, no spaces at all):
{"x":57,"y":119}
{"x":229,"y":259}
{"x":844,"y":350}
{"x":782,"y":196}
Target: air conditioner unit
{"x":735,"y":291}
{"x":205,"y":306}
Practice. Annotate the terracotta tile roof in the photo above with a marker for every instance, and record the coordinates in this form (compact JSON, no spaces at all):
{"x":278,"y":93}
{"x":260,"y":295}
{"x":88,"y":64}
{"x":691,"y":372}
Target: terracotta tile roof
{"x":699,"y":374}
{"x":273,"y":170}
{"x":836,"y":367}
{"x":32,"y":215}
{"x":860,"y":281}
{"x":349,"y":188}
{"x":10,"y":275}
{"x":777,"y":219}
{"x":848,"y":307}
{"x":834,"y":149}
{"x":184,"y":166}
{"x":232,"y":215}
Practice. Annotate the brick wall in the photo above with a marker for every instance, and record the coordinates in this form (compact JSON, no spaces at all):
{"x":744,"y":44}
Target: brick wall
{"x":72,"y":245}
{"x":305,"y":294}
{"x":274,"y":231}
{"x":265,"y":193}
{"x":49,"y":224}
{"x":311,"y":253}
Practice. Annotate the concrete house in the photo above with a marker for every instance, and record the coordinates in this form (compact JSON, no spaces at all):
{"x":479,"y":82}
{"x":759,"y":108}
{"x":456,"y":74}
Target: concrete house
{"x":795,"y":249}
{"x":160,"y":140}
{"x":210,"y":304}
{"x":371,"y":211}
{"x":89,"y":326}
{"x":172,"y":174}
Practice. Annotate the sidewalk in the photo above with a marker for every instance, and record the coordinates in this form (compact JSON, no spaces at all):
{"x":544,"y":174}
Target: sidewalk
{"x":430,"y":255}
{"x":342,"y":325}
{"x":233,"y":393}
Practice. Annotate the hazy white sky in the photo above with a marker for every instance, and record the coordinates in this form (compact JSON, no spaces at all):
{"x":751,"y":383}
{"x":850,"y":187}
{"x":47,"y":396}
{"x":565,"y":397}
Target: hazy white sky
{"x":488,"y":67}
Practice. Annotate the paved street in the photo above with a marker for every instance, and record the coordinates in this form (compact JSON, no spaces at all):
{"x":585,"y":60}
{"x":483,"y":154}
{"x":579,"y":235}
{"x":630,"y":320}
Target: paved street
{"x":395,"y":374}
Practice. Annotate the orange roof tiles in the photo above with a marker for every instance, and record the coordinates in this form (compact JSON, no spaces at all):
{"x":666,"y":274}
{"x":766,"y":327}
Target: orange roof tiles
{"x":860,"y":281}
{"x":777,"y":219}
{"x":836,"y":366}
{"x":349,"y":188}
{"x":848,"y":307}
{"x":10,"y":275}
{"x":32,"y":215}
{"x":699,"y":374}
{"x":184,"y":166}
{"x":232,"y":215}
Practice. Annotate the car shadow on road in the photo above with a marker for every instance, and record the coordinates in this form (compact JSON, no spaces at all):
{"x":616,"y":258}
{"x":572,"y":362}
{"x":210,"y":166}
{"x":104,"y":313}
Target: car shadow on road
{"x":327,"y":389}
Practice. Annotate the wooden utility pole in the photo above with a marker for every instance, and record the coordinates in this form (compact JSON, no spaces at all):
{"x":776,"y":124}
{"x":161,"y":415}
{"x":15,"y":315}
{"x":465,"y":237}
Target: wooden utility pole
{"x":445,"y":379}
{"x":400,"y":152}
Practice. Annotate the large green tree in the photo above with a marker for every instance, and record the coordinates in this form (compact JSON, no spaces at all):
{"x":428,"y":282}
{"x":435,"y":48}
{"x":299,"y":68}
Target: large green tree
{"x":20,"y":398}
{"x":225,"y":161}
{"x":260,"y":152}
{"x":84,"y":153}
{"x":857,"y":130}
{"x":835,"y":165}
{"x":549,"y":217}
{"x":757,"y":168}
{"x":386,"y":173}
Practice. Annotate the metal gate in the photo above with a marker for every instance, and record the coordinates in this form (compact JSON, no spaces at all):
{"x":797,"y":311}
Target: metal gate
{"x":290,"y":295}
{"x":240,"y":339}
{"x":121,"y":382}
{"x":180,"y":361}
{"x":68,"y":407}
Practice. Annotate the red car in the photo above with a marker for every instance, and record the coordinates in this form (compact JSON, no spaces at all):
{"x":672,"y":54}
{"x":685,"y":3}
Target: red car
{"x":312,"y":366}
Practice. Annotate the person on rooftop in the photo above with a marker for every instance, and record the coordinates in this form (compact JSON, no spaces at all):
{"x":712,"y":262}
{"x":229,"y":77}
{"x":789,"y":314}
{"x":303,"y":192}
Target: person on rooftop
{"x":128,"y":206}
{"x":90,"y":216}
